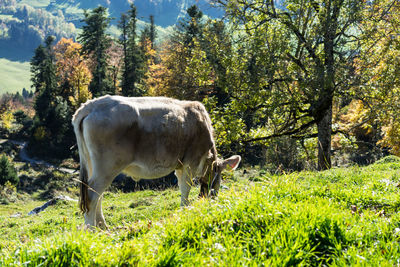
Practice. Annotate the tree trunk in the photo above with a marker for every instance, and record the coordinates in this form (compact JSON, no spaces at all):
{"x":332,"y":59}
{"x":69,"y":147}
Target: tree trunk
{"x":324,"y":127}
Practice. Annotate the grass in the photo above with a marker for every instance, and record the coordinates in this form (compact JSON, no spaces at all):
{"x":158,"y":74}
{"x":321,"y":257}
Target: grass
{"x":14,"y":76}
{"x":338,"y":217}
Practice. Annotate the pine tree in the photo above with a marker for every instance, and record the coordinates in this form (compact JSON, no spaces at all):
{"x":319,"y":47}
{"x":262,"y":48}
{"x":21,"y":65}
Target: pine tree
{"x":152,"y":32}
{"x":44,"y":79}
{"x":123,"y":25}
{"x":133,"y":59}
{"x":148,"y":35}
{"x":53,"y":114}
{"x":7,"y":172}
{"x":95,"y":42}
{"x":191,"y":28}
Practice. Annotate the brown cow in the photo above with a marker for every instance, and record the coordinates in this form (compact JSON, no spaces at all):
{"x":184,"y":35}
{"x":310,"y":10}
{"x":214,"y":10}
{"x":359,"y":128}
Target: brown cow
{"x":146,"y":138}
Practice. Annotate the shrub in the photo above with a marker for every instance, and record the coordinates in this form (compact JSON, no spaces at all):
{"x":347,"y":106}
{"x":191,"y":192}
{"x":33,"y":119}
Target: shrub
{"x":7,"y":172}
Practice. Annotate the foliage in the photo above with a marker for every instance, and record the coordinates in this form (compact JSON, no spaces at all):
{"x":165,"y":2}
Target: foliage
{"x":132,"y":72}
{"x":33,"y":24}
{"x":6,"y":120}
{"x":53,"y":114}
{"x":8,"y":172}
{"x":72,"y":71}
{"x":278,"y":69}
{"x":44,"y":79}
{"x":8,"y":193}
{"x":379,"y":75}
{"x":305,"y":218}
{"x":275,"y":77}
{"x":95,"y":42}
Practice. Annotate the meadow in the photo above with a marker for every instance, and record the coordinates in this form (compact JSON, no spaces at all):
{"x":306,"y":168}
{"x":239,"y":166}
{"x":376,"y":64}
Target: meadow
{"x":343,"y":216}
{"x":14,"y":76}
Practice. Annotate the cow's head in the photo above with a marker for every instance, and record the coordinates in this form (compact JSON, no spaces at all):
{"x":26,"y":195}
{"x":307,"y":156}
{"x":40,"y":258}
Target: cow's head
{"x":210,"y":183}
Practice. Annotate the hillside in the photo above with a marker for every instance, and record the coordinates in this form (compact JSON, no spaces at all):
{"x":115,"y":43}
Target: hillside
{"x":24,"y":25}
{"x":14,"y":76}
{"x":344,"y":217}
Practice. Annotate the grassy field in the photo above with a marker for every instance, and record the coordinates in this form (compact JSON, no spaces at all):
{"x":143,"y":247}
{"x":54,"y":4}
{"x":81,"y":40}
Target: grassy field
{"x":14,"y":76}
{"x":340,"y":217}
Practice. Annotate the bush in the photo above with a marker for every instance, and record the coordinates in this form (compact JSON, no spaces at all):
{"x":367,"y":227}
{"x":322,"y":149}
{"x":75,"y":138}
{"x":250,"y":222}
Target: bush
{"x":7,"y":172}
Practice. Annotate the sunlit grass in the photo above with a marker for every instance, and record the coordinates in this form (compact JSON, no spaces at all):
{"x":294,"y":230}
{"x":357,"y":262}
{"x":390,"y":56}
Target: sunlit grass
{"x":337,"y":217}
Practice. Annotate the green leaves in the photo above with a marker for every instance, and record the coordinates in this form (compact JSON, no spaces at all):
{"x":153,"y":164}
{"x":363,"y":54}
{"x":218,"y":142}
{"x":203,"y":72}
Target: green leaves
{"x":95,"y":42}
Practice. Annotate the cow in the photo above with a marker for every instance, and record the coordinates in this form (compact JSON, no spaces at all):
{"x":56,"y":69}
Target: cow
{"x":145,"y":138}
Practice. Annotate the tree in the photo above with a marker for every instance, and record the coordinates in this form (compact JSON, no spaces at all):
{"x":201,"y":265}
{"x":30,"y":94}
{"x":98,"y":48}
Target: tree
{"x":53,"y":115}
{"x":317,"y":43}
{"x":44,"y":79}
{"x":95,"y":42}
{"x":7,"y":172}
{"x":152,"y":32}
{"x":191,"y":28}
{"x":217,"y":45}
{"x":376,"y":69}
{"x":149,"y":34}
{"x":72,"y":71}
{"x":184,"y":61}
{"x":132,"y":72}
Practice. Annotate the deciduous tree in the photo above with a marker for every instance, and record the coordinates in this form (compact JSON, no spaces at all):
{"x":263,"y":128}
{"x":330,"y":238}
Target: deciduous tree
{"x":317,"y":44}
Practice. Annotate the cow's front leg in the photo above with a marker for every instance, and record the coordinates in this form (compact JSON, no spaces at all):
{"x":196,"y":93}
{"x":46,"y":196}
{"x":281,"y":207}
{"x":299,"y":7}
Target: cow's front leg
{"x":185,"y":184}
{"x":203,"y":189}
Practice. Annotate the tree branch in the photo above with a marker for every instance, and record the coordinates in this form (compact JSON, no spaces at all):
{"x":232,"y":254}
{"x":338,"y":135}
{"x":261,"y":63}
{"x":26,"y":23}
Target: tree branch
{"x":286,"y":133}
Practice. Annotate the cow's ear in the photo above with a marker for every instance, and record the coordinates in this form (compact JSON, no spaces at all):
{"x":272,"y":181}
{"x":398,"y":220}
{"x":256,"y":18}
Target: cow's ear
{"x":231,"y":163}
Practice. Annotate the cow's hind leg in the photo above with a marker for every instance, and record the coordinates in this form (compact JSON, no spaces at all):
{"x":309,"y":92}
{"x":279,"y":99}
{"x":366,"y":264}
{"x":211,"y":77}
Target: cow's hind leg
{"x":102,"y":177}
{"x":97,"y":186}
{"x":185,"y":183}
{"x":100,"y":221}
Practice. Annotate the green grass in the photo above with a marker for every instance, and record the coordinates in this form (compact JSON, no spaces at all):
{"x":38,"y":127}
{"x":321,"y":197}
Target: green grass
{"x":14,"y":76}
{"x":337,"y":217}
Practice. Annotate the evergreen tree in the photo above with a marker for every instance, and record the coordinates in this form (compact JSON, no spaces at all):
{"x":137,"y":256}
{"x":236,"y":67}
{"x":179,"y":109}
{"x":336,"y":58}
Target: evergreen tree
{"x":7,"y":172}
{"x":147,"y":46}
{"x":25,"y":93}
{"x":149,"y":34}
{"x":44,"y":79}
{"x":53,"y":115}
{"x":95,"y":42}
{"x":152,"y":32}
{"x":133,"y":59}
{"x":216,"y":43}
{"x":123,"y":25}
{"x":144,"y":39}
{"x":191,"y":28}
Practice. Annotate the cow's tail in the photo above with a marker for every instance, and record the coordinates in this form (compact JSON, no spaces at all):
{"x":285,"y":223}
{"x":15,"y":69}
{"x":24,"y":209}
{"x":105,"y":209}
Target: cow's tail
{"x":77,"y":122}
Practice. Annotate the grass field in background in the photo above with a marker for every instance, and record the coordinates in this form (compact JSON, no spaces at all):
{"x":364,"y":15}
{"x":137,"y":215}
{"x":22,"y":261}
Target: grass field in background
{"x":346,"y":216}
{"x":14,"y":76}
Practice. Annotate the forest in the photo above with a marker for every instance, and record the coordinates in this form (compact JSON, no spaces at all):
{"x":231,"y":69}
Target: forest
{"x":298,"y":87}
{"x":24,"y":27}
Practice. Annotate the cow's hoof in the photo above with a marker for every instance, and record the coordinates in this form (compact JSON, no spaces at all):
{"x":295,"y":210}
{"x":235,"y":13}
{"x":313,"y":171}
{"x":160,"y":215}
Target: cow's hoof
{"x":212,"y":193}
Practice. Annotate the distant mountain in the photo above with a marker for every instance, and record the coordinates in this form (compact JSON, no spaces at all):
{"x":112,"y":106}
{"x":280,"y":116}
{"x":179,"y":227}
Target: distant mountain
{"x":165,"y":12}
{"x":25,"y":23}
